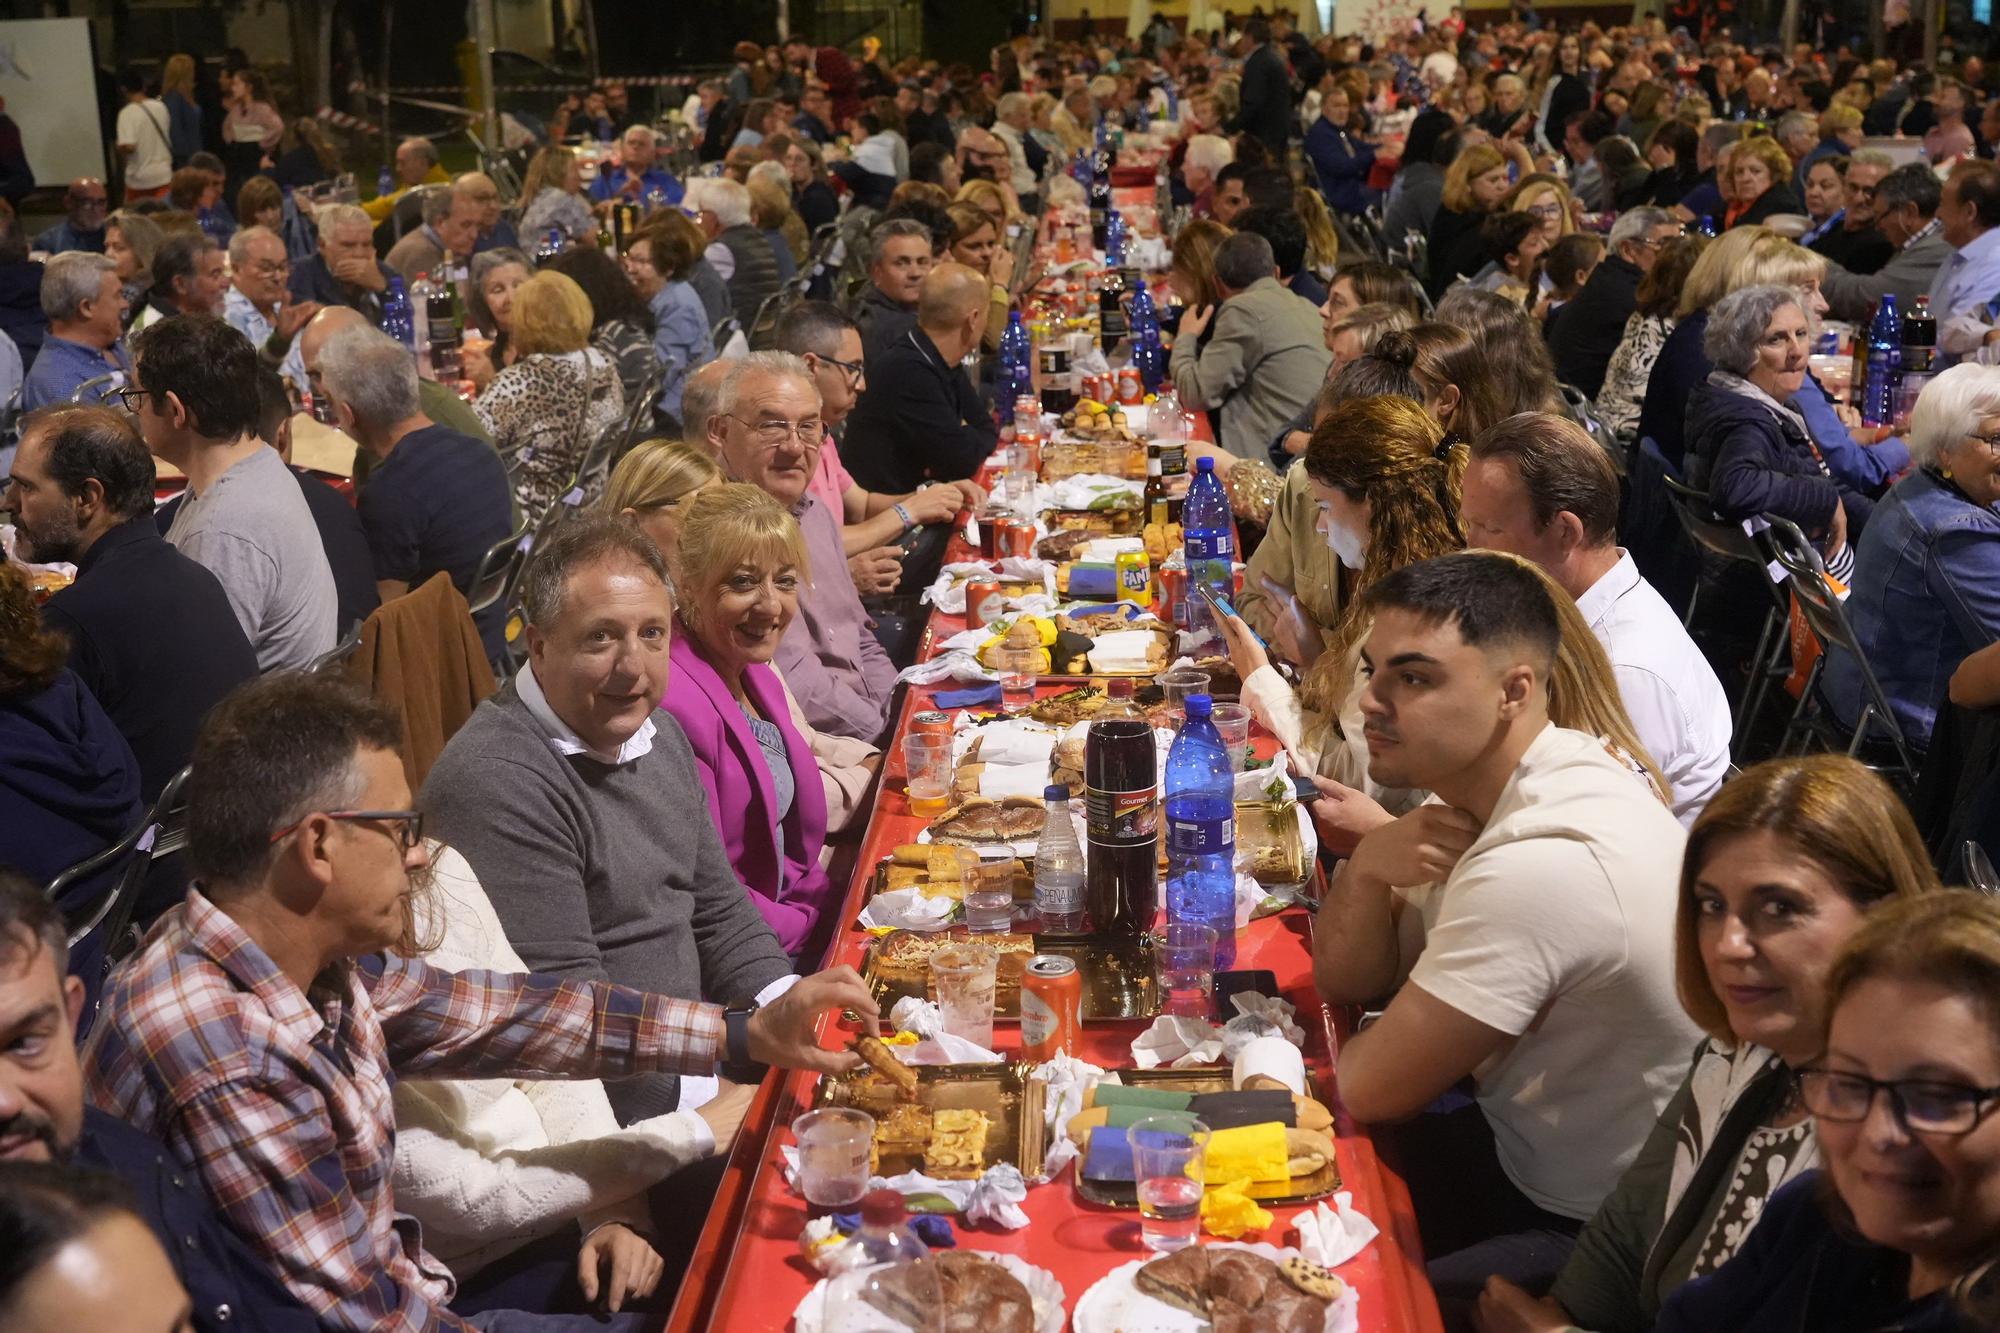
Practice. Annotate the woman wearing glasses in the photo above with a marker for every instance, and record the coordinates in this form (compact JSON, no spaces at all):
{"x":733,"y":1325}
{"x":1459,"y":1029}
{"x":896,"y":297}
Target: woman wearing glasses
{"x":1779,"y":872}
{"x":1901,"y":1229}
{"x":1926,"y":586}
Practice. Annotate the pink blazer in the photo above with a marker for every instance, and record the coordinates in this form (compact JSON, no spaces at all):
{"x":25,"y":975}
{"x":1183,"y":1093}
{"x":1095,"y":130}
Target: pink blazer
{"x":742,"y":799}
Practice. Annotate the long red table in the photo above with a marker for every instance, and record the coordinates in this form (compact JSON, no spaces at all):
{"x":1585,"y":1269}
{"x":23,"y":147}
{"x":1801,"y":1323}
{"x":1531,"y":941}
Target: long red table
{"x":748,"y":1273}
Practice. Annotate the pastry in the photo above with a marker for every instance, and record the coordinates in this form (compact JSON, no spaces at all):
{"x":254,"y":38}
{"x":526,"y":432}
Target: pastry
{"x":1239,"y":1292}
{"x":957,"y":1147}
{"x":1309,"y":1278}
{"x":957,"y":1290}
{"x":981,"y":821}
{"x":1307,"y":1151}
{"x":1069,"y":707}
{"x":904,"y":1131}
{"x":883,"y":1061}
{"x":1180,"y":1279}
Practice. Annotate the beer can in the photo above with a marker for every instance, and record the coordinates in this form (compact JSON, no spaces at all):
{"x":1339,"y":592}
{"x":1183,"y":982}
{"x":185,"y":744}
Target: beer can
{"x":931,"y":722}
{"x":1017,"y":537}
{"x":1051,"y":1007}
{"x":1135,"y":578}
{"x":984,"y":603}
{"x":1130,"y":391}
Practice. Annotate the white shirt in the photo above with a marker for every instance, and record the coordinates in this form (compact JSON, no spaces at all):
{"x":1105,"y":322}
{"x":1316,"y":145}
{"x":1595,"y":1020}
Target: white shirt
{"x":1557,"y":928}
{"x":1671,"y":694}
{"x":151,"y":164}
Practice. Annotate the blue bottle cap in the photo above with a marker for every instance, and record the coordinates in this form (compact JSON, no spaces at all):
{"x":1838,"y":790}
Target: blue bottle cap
{"x":1198,"y":705}
{"x":1055,"y":791}
{"x":1204,"y":464}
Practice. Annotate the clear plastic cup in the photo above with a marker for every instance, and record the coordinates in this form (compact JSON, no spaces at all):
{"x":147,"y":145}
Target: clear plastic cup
{"x":833,"y":1155}
{"x":1018,"y":674}
{"x":1232,"y":720}
{"x":1184,"y":963}
{"x":989,"y":896}
{"x":966,"y":978}
{"x":1167,"y":1151}
{"x":927,"y":761}
{"x":1178,"y":685}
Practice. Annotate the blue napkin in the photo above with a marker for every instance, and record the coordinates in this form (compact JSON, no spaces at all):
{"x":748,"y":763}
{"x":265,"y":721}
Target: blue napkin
{"x":1109,"y":1156}
{"x":970,"y":697}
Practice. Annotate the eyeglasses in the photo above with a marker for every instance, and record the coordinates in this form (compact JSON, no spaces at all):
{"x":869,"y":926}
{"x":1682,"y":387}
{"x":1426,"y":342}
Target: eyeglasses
{"x":1992,"y":442}
{"x":771,"y":434}
{"x":854,"y":370}
{"x":1544,"y":210}
{"x":408,"y":831}
{"x":129,"y":398}
{"x":268,"y":270}
{"x":1925,"y":1106}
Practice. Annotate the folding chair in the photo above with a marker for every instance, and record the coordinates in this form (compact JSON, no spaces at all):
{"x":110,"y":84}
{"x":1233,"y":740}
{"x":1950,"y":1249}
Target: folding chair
{"x":764,"y":324}
{"x":94,"y":389}
{"x":1826,"y":616}
{"x":1584,"y":413}
{"x":498,"y":569}
{"x":334,"y":660}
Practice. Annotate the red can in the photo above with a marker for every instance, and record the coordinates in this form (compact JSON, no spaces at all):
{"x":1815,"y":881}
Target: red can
{"x":1130,"y":391}
{"x":989,"y":537}
{"x":984,"y":603}
{"x":1018,"y":538}
{"x":932,"y":722}
{"x":1051,"y":1006}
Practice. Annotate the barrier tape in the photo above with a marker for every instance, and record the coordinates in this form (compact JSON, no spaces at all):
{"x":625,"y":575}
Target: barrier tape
{"x":636,"y":81}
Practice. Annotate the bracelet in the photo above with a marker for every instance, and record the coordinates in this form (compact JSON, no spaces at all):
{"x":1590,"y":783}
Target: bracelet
{"x":903,"y":513}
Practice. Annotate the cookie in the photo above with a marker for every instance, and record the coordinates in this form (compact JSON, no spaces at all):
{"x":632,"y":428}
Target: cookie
{"x":1309,"y":1278}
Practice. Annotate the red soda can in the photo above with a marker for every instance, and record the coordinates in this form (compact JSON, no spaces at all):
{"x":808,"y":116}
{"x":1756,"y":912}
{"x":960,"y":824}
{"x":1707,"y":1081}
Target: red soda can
{"x":1018,"y":538}
{"x":1130,"y":391}
{"x":984,"y":602}
{"x":932,"y":722}
{"x":1051,"y":1006}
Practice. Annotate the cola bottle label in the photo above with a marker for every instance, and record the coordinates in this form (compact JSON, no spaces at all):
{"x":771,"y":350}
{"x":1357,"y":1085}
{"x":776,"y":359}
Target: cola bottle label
{"x":1122,"y":818}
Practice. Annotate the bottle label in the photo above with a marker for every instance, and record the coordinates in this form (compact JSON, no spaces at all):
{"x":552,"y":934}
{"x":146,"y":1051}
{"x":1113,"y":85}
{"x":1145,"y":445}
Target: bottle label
{"x":1038,"y":1019}
{"x":1219,"y":545}
{"x":1122,"y":818}
{"x":1201,"y":837}
{"x":1173,"y":457}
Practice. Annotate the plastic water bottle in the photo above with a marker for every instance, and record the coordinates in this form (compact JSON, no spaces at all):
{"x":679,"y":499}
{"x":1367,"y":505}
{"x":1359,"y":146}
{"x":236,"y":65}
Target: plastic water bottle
{"x":396,"y":318}
{"x":420,"y":322}
{"x":1885,"y":361}
{"x":885,"y":1234}
{"x":1015,"y":374}
{"x":1058,"y":866}
{"x":551,"y":245}
{"x":1201,"y":830}
{"x":1210,"y":539}
{"x":385,"y":182}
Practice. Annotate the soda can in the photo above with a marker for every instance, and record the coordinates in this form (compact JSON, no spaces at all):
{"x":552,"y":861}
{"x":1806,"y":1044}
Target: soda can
{"x":1051,"y":1007}
{"x":1130,"y":391}
{"x":1017,"y":537}
{"x":931,"y":722}
{"x":984,"y":603}
{"x":989,"y":536}
{"x":1135,"y":578}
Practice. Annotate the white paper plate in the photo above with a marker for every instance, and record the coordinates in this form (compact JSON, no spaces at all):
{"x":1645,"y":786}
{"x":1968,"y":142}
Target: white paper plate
{"x":1047,"y":1294}
{"x":1114,"y":1303}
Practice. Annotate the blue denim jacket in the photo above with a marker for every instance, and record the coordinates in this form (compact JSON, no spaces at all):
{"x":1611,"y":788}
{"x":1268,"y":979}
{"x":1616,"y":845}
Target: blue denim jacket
{"x":1926,"y":594}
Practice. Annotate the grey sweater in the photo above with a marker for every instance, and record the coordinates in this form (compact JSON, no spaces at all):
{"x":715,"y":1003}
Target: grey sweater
{"x":599,"y":871}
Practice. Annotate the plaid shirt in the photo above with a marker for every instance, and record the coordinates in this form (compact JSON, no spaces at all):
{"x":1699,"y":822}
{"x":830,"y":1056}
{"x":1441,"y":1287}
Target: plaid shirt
{"x":281,"y":1100}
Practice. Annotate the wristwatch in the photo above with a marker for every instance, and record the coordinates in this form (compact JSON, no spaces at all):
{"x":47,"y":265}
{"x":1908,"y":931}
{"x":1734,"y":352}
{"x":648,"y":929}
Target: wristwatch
{"x":736,"y":1033}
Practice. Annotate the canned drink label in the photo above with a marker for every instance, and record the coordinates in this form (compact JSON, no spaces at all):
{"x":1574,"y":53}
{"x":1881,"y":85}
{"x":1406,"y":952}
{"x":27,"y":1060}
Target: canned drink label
{"x":992,"y":605}
{"x":1122,"y":818}
{"x":1201,"y":837}
{"x":1038,"y":1020}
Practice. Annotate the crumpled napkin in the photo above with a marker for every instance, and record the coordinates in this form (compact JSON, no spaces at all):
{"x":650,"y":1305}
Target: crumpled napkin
{"x":1272,"y":1009}
{"x":947,"y":592}
{"x":961,"y":667}
{"x":1227,"y":1210}
{"x":994,"y":1197}
{"x":1092,"y":490}
{"x":906,"y":909}
{"x":1014,"y":740}
{"x":973,"y":639}
{"x":1068,"y":1078}
{"x":1178,"y":1041}
{"x":1330,"y":1236}
{"x":936,"y":1047}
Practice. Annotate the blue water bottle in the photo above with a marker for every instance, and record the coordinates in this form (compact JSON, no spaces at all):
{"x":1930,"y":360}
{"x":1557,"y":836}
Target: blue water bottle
{"x":385,"y":182}
{"x":1885,"y":363}
{"x":1201,"y":830}
{"x":397,"y":321}
{"x":1210,"y":541}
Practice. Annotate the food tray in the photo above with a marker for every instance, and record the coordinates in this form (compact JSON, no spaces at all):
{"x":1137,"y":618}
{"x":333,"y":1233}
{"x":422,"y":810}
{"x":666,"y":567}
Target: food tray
{"x":1102,"y":522}
{"x":1278,"y":850}
{"x":1300,"y":1189}
{"x":889,"y":876}
{"x":1118,"y":976}
{"x":1003,"y":1091}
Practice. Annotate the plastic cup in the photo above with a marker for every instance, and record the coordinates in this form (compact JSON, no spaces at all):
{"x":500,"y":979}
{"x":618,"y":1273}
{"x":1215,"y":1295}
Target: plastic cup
{"x":966,"y":978}
{"x":1232,"y":720}
{"x":1018,"y":674}
{"x":1178,"y":685}
{"x":989,"y":896}
{"x":927,"y":760}
{"x":1167,"y":1151}
{"x":1184,"y":961}
{"x":833,"y":1156}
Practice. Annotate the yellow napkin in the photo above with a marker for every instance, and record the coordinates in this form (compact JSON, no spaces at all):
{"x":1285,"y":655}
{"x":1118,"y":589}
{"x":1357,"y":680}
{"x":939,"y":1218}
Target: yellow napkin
{"x":1045,"y":630}
{"x":1247,"y":1153}
{"x":901,"y":1039}
{"x":1228,"y":1212}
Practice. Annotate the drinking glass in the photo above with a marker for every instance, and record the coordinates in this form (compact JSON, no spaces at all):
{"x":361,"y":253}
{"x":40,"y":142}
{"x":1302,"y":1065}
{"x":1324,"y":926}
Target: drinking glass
{"x":927,"y":759}
{"x":989,"y":896}
{"x":833,"y":1156}
{"x":1185,"y":963}
{"x":966,"y":977}
{"x":1178,"y":685}
{"x":1232,"y":720}
{"x":1167,"y":1151}
{"x":1019,"y":668}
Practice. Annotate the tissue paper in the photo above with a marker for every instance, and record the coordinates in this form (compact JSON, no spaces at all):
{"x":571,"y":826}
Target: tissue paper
{"x":958,"y":666}
{"x":1227,"y":1210}
{"x":1178,"y":1041}
{"x":936,"y":1046}
{"x":1330,"y":1236}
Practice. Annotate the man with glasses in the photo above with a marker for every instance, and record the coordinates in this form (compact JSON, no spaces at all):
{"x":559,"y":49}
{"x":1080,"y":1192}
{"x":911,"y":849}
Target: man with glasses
{"x":1585,"y":330}
{"x":88,"y":204}
{"x":85,"y":303}
{"x":1857,"y":245}
{"x":260,"y":1029}
{"x":259,"y":302}
{"x":767,"y":431}
{"x":495,"y":231}
{"x":1906,"y":204}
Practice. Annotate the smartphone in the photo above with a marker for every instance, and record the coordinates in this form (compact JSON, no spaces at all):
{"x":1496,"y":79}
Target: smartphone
{"x":1222,"y":607}
{"x":1250,"y":981}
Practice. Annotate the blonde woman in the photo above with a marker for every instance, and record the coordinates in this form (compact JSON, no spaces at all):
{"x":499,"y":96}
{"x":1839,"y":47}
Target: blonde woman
{"x":183,"y":112}
{"x":975,"y":243}
{"x":561,"y":395}
{"x":130,"y":241}
{"x":1548,"y":201}
{"x":1475,"y":186}
{"x":554,"y":199}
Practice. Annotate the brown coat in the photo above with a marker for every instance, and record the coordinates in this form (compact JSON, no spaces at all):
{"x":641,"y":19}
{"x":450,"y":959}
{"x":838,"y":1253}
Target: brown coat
{"x":421,"y":652}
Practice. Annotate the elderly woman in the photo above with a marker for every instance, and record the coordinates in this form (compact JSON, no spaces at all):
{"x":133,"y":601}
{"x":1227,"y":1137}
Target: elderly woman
{"x":658,"y":261}
{"x":130,"y":241}
{"x":812,"y":198}
{"x":1763,"y":177}
{"x":1474,"y":185}
{"x":738,"y":570}
{"x":546,"y":410}
{"x":1899,"y":1229}
{"x":771,"y":212}
{"x":1746,"y":446}
{"x":1780,"y":871}
{"x":553,"y":197}
{"x":496,"y":274}
{"x":1646,"y":330}
{"x":1926,"y":585}
{"x":652,"y":487}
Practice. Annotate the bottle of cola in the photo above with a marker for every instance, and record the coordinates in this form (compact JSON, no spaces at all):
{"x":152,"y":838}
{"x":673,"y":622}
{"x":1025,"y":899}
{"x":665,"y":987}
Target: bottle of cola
{"x":1121,"y":781}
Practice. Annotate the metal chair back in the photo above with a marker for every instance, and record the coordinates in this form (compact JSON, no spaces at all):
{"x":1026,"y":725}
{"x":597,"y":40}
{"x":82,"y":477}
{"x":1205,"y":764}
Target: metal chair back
{"x":333,"y":661}
{"x":94,"y":389}
{"x":160,"y":832}
{"x":497,"y":570}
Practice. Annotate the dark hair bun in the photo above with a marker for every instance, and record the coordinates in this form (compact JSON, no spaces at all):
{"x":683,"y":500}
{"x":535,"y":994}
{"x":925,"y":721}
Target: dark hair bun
{"x":1397,"y":348}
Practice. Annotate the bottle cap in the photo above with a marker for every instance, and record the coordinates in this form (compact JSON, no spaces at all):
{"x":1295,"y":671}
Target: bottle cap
{"x":1055,"y":791}
{"x":1204,"y":464}
{"x":1198,"y":705}
{"x":882,"y":1208}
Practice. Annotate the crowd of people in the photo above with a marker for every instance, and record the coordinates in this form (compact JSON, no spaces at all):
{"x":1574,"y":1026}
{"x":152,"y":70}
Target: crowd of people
{"x":451,"y":1024}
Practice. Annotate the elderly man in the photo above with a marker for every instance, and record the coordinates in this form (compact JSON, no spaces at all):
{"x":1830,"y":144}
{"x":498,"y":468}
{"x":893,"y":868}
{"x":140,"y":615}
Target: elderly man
{"x":439,"y":403}
{"x":1265,"y":105}
{"x":87,"y":204}
{"x":1207,"y":154}
{"x":1584,"y":330}
{"x":1266,"y":358}
{"x":345,"y":271}
{"x":449,"y":232}
{"x":1855,"y":242}
{"x":434,"y":500}
{"x":922,"y":420}
{"x":416,"y":164}
{"x":899,"y":259}
{"x":1906,"y":204}
{"x":983,"y":155}
{"x":41,"y":1087}
{"x":496,"y":232}
{"x":766,"y":430}
{"x":244,"y":517}
{"x":190,"y":277}
{"x":151,"y":633}
{"x":85,"y":305}
{"x":737,"y":251}
{"x":639,"y":179}
{"x":260,"y":1028}
{"x":259,"y":304}
{"x":1962,"y":292}
{"x":1539,"y":487}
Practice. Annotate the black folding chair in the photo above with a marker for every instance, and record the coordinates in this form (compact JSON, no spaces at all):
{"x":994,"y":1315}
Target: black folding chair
{"x":334,"y":660}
